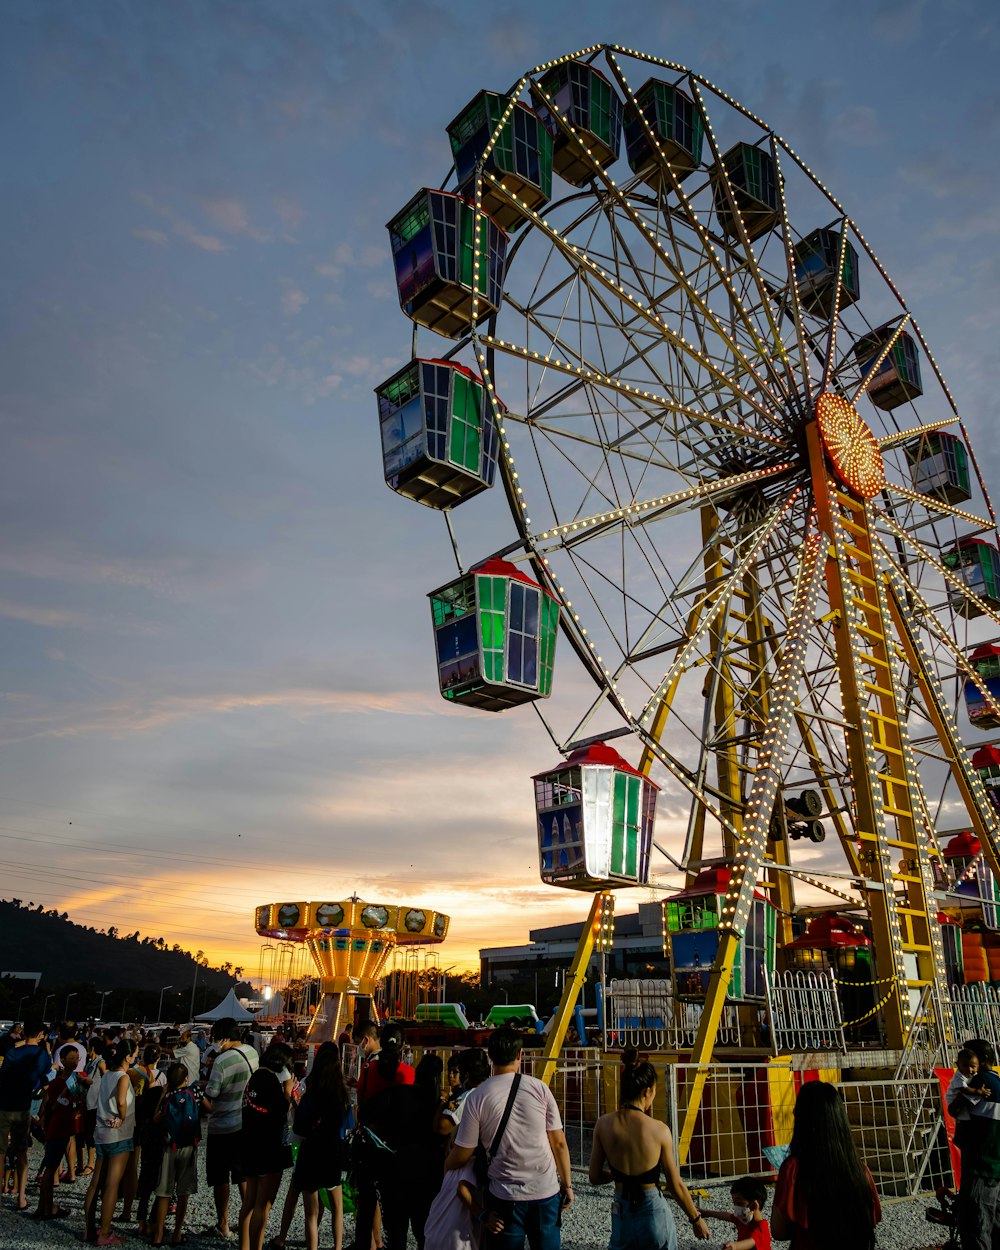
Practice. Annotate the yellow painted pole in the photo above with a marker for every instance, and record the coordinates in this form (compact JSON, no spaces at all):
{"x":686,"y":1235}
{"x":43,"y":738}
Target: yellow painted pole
{"x":571,"y":990}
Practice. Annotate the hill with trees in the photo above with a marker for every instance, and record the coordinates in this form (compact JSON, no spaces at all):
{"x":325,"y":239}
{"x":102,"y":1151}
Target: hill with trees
{"x":80,"y":962}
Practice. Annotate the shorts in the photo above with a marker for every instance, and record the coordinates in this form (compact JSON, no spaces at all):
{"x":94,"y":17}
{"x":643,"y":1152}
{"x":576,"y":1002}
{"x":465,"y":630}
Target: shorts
{"x":314,"y":1169}
{"x":266,"y":1162}
{"x":223,"y":1156}
{"x":178,"y":1171}
{"x":645,"y":1224}
{"x":55,"y":1148}
{"x":15,"y":1125}
{"x":108,"y":1149}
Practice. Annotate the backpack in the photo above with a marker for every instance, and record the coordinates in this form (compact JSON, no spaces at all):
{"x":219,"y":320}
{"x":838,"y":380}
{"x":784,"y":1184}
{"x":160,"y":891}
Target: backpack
{"x":181,"y":1126}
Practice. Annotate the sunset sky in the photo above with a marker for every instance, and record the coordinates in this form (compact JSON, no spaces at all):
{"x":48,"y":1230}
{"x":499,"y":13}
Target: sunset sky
{"x":218,"y":682}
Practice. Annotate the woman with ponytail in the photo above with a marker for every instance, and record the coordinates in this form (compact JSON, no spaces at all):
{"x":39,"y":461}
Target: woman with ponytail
{"x":825,"y":1198}
{"x":631,"y":1148}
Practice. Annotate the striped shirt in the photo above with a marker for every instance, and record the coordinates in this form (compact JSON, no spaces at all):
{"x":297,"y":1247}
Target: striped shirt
{"x":230,"y":1076}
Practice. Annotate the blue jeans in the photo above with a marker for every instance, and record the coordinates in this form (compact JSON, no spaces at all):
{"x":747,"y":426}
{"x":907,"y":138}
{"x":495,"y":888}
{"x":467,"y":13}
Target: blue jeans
{"x":537,"y":1220}
{"x":647,"y":1224}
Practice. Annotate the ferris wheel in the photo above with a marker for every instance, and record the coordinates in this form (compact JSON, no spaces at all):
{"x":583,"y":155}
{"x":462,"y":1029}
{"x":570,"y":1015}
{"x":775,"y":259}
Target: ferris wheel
{"x":735,"y":481}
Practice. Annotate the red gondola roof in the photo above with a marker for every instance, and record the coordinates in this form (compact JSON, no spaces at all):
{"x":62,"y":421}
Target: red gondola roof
{"x":985,"y":652}
{"x":596,"y":753}
{"x":965,"y":843}
{"x":503,"y":568}
{"x":986,"y":757}
{"x":714,"y":880}
{"x":828,"y":933}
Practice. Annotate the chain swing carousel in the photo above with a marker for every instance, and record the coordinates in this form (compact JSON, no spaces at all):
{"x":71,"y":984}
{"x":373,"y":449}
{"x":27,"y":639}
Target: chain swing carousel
{"x":350,"y":944}
{"x":727,"y":469}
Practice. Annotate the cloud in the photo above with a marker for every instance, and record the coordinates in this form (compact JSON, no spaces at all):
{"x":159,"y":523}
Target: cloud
{"x":71,"y":618}
{"x":289,"y":210}
{"x":148,"y":235}
{"x":138,"y":711}
{"x":207,"y":242}
{"x":230,"y":214}
{"x":858,"y":125}
{"x":897,"y":21}
{"x":293,"y":301}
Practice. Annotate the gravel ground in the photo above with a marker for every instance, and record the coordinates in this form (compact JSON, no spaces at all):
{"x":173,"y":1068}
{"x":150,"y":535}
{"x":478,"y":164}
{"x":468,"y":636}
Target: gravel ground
{"x":586,"y":1225}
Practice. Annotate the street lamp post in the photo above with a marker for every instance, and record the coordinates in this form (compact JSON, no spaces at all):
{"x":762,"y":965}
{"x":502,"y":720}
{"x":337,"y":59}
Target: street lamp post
{"x":66,"y":1008}
{"x":19,"y":1006}
{"x":104,"y":994}
{"x":45,"y":1005}
{"x":159,"y":1008}
{"x":442,"y":995}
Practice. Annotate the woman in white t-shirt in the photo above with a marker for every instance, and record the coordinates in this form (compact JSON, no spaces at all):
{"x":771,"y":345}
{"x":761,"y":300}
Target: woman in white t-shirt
{"x":113,"y":1139}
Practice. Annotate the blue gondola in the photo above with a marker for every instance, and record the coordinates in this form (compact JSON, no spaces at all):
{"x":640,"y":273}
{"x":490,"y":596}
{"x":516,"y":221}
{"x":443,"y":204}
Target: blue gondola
{"x":671,"y":115}
{"x":590,"y":104}
{"x":939,"y":466}
{"x":816,"y":258}
{"x":439,"y":438}
{"x":752,"y":176}
{"x":520,"y":155}
{"x":439,"y":266}
{"x":977,"y":563}
{"x":986,"y":661}
{"x":897,"y":379}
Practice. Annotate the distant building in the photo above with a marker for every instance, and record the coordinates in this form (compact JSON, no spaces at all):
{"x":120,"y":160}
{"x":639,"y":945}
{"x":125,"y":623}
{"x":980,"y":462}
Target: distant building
{"x":637,"y":951}
{"x":32,"y":977}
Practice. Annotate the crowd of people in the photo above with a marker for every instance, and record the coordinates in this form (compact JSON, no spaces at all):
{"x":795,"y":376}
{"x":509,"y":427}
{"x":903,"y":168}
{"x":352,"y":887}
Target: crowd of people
{"x":468,"y":1157}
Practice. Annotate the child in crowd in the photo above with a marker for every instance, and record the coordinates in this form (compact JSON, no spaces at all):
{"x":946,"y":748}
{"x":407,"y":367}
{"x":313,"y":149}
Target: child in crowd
{"x":959,"y":1097}
{"x":58,"y":1117}
{"x":178,"y":1115}
{"x":753,"y":1231}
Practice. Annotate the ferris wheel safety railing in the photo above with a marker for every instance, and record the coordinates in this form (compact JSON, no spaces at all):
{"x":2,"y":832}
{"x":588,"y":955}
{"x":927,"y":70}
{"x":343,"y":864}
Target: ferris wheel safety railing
{"x":804,"y":1010}
{"x":644,"y":1013}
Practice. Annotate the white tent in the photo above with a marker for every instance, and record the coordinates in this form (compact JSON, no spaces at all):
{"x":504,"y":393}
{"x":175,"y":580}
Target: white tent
{"x":231,"y":1007}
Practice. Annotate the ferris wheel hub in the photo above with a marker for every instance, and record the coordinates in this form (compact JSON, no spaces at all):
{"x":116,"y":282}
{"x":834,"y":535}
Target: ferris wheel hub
{"x":850,"y":444}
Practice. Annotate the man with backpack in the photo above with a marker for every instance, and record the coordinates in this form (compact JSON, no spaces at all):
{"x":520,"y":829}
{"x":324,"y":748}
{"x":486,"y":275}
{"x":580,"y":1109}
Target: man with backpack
{"x":178,"y":1117}
{"x":234,"y":1065}
{"x":23,"y":1071}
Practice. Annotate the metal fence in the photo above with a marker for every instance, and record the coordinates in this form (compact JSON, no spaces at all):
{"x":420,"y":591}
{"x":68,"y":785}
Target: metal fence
{"x":975,"y":1010}
{"x":804,"y":1011}
{"x":744,"y":1120}
{"x":645,"y":1014}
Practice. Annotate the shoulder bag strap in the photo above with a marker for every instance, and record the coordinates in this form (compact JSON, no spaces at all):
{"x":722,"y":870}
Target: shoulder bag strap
{"x":505,"y":1117}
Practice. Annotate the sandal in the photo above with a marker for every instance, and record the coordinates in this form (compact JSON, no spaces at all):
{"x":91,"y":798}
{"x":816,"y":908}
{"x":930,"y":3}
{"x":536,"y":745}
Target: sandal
{"x":87,"y":1171}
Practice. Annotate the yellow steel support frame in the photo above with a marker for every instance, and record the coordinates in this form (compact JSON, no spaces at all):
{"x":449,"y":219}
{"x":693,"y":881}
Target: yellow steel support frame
{"x":752,"y":848}
{"x":571,"y":990}
{"x":886,"y":809}
{"x":981,"y":813}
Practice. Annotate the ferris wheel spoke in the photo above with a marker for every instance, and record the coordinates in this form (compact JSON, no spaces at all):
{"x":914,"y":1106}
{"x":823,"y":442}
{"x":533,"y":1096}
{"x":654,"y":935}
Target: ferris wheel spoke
{"x":644,"y":512}
{"x":933,"y":504}
{"x":913,"y":432}
{"x":639,"y":395}
{"x":749,"y":257}
{"x":791,"y":287}
{"x":708,"y":253}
